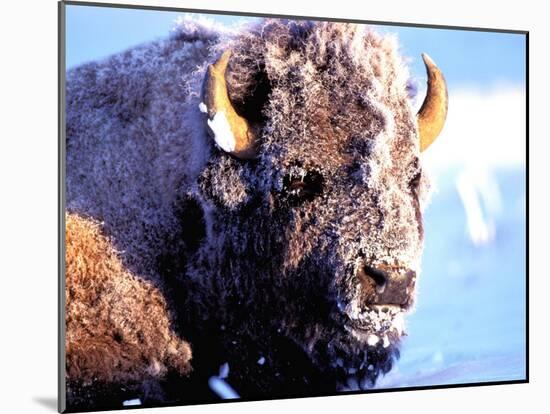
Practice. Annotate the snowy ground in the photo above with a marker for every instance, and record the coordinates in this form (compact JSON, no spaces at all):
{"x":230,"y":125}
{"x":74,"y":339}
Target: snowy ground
{"x":469,"y":323}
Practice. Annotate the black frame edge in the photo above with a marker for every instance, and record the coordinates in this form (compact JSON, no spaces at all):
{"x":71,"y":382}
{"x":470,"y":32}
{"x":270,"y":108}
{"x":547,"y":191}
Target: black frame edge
{"x":61,"y":391}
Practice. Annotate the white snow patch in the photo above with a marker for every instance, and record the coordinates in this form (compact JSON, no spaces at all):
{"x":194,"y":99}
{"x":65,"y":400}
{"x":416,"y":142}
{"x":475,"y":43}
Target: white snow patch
{"x":203,"y":108}
{"x":372,"y":340}
{"x":224,"y":370}
{"x":261,"y":361}
{"x":481,"y":198}
{"x":222,"y":388}
{"x":399,"y":323}
{"x":222,"y":132}
{"x":129,"y":403}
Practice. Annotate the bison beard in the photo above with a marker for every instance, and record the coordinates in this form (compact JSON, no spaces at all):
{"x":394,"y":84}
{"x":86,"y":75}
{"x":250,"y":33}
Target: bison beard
{"x":298,"y":247}
{"x":289,"y":318}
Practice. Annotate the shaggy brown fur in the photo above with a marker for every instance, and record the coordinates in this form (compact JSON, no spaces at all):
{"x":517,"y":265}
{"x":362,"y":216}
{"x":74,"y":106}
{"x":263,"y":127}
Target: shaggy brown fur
{"x":266,"y":257}
{"x":337,"y":188}
{"x":118,"y":326}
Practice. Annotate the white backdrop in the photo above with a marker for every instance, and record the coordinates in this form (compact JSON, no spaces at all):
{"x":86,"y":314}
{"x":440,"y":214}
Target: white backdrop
{"x":28,"y":202}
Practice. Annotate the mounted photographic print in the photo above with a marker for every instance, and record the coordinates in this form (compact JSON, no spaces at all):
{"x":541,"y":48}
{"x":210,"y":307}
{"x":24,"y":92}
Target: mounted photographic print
{"x":261,"y":207}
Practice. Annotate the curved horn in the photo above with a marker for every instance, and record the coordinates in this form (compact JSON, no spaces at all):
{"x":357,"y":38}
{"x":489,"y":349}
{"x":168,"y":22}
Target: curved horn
{"x":231,"y":131}
{"x":432,"y":114}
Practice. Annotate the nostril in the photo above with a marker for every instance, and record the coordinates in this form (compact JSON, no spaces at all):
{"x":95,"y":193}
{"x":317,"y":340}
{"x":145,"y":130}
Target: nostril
{"x":380,"y":277}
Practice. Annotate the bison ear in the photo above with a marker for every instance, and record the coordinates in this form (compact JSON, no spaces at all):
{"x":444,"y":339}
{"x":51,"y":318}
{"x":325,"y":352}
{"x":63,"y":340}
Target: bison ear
{"x":432,"y":114}
{"x":232,"y":132}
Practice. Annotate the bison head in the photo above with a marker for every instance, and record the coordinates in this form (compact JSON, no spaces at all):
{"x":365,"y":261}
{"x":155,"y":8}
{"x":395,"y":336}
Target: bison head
{"x":312,"y":199}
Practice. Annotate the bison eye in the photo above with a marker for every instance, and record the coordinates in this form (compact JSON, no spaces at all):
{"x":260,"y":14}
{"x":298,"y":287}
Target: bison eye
{"x":300,"y":188}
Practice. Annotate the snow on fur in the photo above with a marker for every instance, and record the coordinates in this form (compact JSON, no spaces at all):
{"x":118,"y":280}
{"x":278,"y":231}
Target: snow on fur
{"x":222,"y":132}
{"x":233,"y":246}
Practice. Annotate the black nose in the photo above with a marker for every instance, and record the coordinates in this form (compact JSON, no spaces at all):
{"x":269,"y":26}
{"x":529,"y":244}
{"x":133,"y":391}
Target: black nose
{"x":379,"y":276}
{"x":386,"y":285}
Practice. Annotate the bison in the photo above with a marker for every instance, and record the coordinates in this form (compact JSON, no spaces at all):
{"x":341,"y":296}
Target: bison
{"x":269,"y":183}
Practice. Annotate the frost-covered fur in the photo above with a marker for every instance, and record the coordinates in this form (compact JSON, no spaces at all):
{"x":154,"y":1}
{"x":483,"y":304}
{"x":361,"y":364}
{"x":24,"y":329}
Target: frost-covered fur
{"x":118,"y":326}
{"x":254,"y":267}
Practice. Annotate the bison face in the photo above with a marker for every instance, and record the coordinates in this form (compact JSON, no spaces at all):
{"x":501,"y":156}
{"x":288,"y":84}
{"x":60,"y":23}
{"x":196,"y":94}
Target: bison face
{"x":316,"y":188}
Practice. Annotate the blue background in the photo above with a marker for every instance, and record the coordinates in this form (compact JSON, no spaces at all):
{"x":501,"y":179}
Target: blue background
{"x":469,"y":323}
